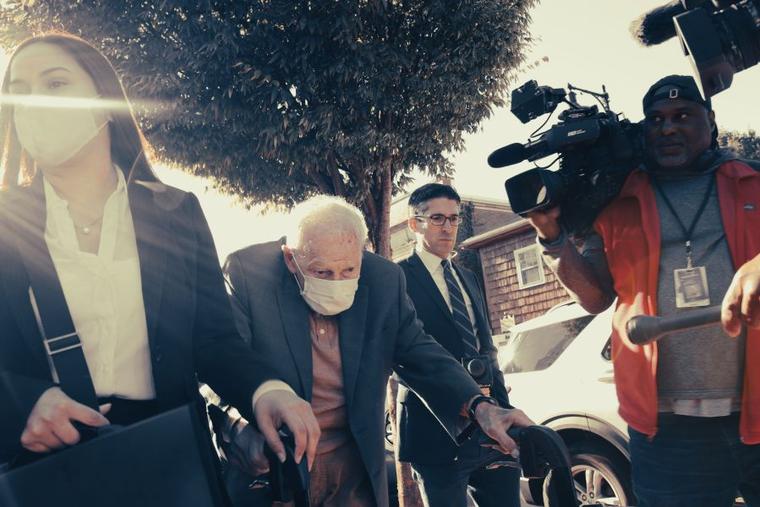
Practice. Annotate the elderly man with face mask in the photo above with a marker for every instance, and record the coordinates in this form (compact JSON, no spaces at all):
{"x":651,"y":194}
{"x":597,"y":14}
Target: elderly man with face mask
{"x":335,"y":321}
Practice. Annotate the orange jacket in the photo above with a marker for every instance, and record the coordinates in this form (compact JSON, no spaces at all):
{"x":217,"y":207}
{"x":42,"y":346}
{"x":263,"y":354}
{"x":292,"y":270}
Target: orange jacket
{"x":630,"y":229}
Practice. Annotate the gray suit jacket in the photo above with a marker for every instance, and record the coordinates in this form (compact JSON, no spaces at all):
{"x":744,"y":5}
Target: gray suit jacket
{"x":379,"y":334}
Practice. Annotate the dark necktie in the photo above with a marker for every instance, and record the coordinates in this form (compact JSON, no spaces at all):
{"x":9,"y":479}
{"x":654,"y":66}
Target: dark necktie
{"x":459,"y":311}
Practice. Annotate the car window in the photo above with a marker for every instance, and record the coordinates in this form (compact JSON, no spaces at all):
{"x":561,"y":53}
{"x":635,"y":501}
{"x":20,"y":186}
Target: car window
{"x":538,"y":348}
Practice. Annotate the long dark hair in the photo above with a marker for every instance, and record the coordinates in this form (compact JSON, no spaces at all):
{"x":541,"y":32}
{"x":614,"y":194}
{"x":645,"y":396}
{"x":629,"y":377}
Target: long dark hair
{"x":127,"y":143}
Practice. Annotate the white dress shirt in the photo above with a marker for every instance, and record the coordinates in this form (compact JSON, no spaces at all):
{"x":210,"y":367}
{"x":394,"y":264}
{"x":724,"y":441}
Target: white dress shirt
{"x":433,"y":264}
{"x":104,"y":294}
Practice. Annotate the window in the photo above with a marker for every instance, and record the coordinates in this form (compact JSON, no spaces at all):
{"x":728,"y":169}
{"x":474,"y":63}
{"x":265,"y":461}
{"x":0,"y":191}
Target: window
{"x":530,"y":269}
{"x":538,"y":348}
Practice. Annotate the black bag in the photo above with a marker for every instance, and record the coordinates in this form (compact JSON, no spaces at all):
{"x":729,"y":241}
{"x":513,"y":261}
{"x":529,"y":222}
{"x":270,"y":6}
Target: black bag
{"x":158,"y":462}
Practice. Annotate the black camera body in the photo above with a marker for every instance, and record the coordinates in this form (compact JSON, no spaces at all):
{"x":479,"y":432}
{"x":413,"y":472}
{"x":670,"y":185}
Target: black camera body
{"x":720,"y":37}
{"x":596,"y":149}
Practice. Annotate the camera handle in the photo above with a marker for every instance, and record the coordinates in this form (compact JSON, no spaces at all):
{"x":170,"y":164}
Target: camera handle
{"x":603,"y":98}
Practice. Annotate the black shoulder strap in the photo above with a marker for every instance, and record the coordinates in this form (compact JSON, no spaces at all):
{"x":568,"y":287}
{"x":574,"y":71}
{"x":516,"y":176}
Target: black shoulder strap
{"x":61,"y":341}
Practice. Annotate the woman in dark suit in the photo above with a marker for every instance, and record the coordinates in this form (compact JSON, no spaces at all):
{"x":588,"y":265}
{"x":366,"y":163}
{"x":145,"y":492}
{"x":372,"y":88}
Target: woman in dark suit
{"x":133,"y":258}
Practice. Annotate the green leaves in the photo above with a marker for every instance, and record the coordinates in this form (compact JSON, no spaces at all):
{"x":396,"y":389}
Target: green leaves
{"x":745,"y":144}
{"x":276,"y":99}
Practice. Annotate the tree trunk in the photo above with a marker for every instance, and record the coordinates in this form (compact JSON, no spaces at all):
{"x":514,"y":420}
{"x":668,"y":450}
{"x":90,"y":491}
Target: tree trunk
{"x":406,"y":487}
{"x":382,"y":231}
{"x":408,"y":492}
{"x":377,"y":210}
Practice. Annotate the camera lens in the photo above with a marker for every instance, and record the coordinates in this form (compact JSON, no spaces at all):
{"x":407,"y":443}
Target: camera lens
{"x":476,"y":367}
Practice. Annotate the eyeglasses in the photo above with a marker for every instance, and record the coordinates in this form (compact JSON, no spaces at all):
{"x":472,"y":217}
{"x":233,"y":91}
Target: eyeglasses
{"x":439,"y":219}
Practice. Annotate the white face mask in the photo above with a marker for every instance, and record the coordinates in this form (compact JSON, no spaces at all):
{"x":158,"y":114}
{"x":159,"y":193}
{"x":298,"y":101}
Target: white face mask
{"x":327,"y":297}
{"x":52,"y":135}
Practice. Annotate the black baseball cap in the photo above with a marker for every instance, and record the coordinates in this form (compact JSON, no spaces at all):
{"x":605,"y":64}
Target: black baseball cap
{"x":675,"y":87}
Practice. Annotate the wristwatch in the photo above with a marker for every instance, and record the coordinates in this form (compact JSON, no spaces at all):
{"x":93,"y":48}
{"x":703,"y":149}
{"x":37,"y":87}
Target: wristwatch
{"x":477,"y":401}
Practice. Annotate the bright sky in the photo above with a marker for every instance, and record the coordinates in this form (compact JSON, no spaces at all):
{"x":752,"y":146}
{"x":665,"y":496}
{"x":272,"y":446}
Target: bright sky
{"x":587,"y":43}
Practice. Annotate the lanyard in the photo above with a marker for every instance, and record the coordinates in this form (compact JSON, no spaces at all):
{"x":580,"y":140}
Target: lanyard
{"x":690,"y":231}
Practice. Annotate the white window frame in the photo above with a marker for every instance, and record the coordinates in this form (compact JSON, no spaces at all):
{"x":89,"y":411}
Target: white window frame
{"x":519,"y":269}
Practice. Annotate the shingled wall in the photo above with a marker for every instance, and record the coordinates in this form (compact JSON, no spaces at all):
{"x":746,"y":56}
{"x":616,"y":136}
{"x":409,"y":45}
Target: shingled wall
{"x":502,"y":290}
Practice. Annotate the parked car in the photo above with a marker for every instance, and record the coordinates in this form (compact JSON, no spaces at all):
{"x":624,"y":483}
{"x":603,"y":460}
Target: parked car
{"x":560,"y":370}
{"x":558,"y":366}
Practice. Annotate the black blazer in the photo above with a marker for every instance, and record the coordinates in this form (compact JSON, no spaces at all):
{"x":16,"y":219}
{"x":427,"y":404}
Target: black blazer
{"x":190,"y":325}
{"x":378,"y":334}
{"x":421,"y":438}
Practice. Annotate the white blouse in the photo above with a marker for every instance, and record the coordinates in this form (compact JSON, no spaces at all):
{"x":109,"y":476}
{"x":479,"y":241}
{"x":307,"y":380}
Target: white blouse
{"x":104,"y":294}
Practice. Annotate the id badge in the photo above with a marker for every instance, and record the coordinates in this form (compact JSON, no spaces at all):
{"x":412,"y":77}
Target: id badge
{"x":691,"y":287}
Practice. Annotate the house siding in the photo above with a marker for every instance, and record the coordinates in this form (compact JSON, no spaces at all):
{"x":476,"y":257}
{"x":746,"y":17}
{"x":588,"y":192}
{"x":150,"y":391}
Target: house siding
{"x":500,"y":279}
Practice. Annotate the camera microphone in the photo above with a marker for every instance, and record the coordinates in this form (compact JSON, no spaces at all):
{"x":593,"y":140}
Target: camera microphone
{"x":656,"y":26}
{"x":644,"y":329}
{"x":508,"y":155}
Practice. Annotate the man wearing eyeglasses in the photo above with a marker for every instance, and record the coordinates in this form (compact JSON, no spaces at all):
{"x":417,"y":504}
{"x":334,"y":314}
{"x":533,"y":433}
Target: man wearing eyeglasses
{"x":449,"y":302}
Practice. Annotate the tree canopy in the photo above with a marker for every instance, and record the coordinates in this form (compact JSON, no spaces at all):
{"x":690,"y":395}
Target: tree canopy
{"x":279,"y":99}
{"x":745,"y":144}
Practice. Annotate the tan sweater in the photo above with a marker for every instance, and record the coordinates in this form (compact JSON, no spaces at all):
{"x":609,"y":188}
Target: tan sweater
{"x":327,"y":395}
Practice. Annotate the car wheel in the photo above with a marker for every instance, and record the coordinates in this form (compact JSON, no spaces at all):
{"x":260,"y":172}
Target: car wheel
{"x":390,"y":461}
{"x":388,"y":432}
{"x":600,"y":476}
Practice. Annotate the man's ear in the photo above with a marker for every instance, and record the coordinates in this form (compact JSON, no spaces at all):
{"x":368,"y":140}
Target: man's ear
{"x":287,"y":254}
{"x":413,"y":224}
